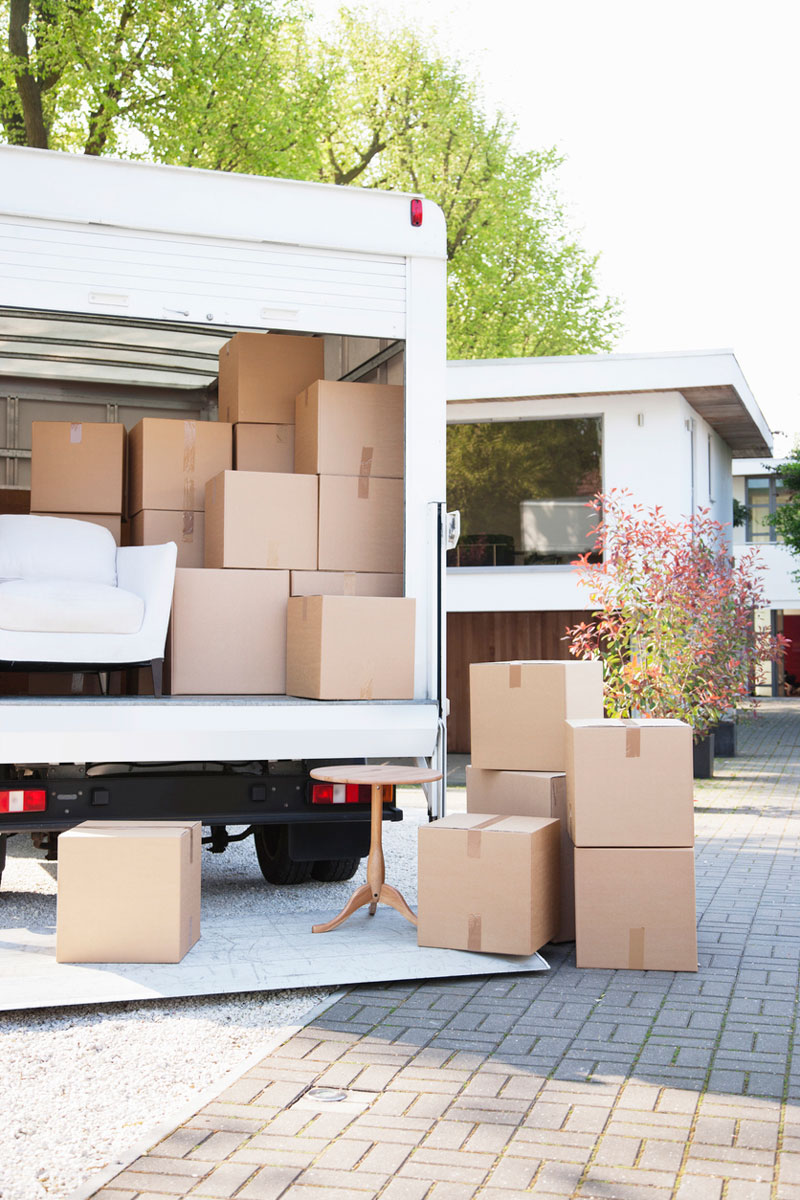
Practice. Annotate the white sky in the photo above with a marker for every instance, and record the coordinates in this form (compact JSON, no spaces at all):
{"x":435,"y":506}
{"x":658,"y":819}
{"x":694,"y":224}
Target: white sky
{"x":680,"y":126}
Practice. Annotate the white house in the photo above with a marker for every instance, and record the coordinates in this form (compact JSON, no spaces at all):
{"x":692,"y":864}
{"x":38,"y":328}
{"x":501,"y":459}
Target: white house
{"x":531,"y":440}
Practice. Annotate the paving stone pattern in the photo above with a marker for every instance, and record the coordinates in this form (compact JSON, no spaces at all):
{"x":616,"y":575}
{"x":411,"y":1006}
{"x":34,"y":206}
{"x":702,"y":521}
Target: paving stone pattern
{"x":613,"y":1085}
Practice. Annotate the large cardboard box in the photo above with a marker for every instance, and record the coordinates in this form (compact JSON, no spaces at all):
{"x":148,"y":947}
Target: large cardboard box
{"x":519,"y":710}
{"x":155,"y":526}
{"x":350,"y":648}
{"x":263,"y":448}
{"x":260,"y":375}
{"x":128,"y":892}
{"x":635,"y":909}
{"x":360,"y":524}
{"x":531,"y":794}
{"x":345,"y":583}
{"x":77,"y":467}
{"x":228,"y":633}
{"x":108,"y":521}
{"x":350,"y":429}
{"x":261,"y":519}
{"x":630,"y":783}
{"x":488,"y":883}
{"x":170,"y":462}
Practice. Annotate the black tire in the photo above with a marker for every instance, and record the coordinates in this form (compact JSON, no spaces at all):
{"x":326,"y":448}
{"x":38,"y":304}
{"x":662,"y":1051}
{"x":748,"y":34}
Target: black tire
{"x":272,"y":851}
{"x":334,"y":870}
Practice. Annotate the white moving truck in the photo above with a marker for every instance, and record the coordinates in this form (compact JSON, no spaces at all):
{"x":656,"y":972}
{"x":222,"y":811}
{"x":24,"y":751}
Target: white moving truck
{"x":119,"y":282}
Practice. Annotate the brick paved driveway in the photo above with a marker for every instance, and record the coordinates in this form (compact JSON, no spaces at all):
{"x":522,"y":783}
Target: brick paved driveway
{"x":606,"y":1084}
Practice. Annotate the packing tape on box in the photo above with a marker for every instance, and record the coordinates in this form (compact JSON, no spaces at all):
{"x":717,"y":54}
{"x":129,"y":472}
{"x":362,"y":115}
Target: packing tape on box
{"x":189,"y":460}
{"x":364,"y":472}
{"x":633,"y":739}
{"x":636,"y":949}
{"x":188,"y":527}
{"x":349,"y":584}
{"x":305,"y":608}
{"x":272,"y":555}
{"x":76,"y":432}
{"x":474,"y":836}
{"x":366,"y":690}
{"x":515,"y":675}
{"x":474,"y":933}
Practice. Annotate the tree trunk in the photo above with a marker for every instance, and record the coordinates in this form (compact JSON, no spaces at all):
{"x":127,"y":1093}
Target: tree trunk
{"x":28,"y":86}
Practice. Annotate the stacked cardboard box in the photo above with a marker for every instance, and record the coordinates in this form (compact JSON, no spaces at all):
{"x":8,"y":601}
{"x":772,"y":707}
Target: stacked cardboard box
{"x":78,"y":471}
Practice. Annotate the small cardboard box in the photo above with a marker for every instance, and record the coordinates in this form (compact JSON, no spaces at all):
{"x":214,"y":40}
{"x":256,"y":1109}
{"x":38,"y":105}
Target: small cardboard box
{"x":228,"y":633}
{"x":519,"y":710}
{"x":488,"y":883}
{"x":261,"y":374}
{"x":345,"y":583}
{"x":360,"y":524}
{"x":128,"y":892}
{"x":350,"y":429}
{"x":110,"y":522}
{"x":261,"y":519}
{"x":77,"y":467}
{"x":350,"y":648}
{"x":630,"y":783}
{"x":635,"y":909}
{"x":531,"y":794}
{"x":263,"y":448}
{"x":154,"y":527}
{"x":170,"y":462}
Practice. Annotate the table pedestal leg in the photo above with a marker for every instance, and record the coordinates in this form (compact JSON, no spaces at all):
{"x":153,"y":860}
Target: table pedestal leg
{"x":375,"y":891}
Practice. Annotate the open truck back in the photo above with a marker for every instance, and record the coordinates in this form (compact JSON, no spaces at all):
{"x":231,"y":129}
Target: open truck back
{"x":118,"y":284}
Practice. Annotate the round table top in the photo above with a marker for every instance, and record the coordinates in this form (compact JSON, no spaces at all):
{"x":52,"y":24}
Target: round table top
{"x":381,"y":773}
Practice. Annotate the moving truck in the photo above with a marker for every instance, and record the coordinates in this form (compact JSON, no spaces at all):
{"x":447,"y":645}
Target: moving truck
{"x":119,"y":284}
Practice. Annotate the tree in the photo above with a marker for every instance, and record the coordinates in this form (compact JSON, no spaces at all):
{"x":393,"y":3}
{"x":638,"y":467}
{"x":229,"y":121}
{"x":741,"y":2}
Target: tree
{"x":786,"y":519}
{"x":674,"y":616}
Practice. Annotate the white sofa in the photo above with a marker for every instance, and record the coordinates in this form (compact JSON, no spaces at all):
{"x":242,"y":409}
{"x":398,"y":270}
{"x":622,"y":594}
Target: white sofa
{"x":69,"y":598}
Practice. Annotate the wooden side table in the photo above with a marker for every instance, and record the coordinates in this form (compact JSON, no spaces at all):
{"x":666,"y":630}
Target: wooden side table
{"x":381,"y":779}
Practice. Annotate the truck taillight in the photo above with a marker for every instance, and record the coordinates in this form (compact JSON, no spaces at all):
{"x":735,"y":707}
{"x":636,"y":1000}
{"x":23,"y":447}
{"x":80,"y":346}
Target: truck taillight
{"x":416,"y":212}
{"x":23,"y":800}
{"x":341,"y":793}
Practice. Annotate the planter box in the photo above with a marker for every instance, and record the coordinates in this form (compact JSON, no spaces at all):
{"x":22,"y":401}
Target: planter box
{"x":703,"y":757}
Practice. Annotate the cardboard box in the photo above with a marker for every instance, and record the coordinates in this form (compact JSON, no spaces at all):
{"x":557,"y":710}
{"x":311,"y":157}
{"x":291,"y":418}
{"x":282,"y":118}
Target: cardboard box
{"x":154,"y":527}
{"x":263,"y":448}
{"x":360,"y":524}
{"x":531,"y":794}
{"x":345,"y":583}
{"x":77,"y":467}
{"x":228,"y":633}
{"x":488,"y":883}
{"x":350,"y":429}
{"x":112,"y":523}
{"x":261,"y":519}
{"x":128,"y":892}
{"x":260,"y":375}
{"x":519,"y":710}
{"x":635,"y":909}
{"x":630,"y":783}
{"x":170,"y":462}
{"x":15,"y":500}
{"x":350,"y":648}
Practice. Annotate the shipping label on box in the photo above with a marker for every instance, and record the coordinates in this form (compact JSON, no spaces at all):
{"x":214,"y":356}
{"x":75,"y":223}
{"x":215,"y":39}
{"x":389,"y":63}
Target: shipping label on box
{"x":128,"y":892}
{"x":154,"y":527}
{"x":518,"y":711}
{"x":351,"y":648}
{"x":261,"y":519}
{"x":350,"y":429}
{"x":170,"y":462}
{"x":635,"y":909}
{"x":77,"y":467}
{"x":263,"y":448}
{"x":261,"y":374}
{"x":531,"y":794}
{"x":488,"y":883}
{"x":360,"y":524}
{"x":630,"y":783}
{"x":345,"y":583}
{"x":228,"y":633}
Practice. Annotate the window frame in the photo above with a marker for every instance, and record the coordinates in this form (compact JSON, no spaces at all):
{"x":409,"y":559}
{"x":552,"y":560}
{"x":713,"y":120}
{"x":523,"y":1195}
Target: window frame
{"x":772,"y":492}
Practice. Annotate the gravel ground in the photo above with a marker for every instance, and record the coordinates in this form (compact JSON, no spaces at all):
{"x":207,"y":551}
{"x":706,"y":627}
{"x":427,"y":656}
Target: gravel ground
{"x":81,"y":1086}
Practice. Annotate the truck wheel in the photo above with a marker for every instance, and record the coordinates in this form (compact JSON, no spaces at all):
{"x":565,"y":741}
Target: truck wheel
{"x":272,"y":850}
{"x":334,"y":870}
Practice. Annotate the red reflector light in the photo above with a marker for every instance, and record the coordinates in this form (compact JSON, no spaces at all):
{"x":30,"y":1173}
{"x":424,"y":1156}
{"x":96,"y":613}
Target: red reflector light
{"x":341,"y":793}
{"x":416,"y":212}
{"x":23,"y":800}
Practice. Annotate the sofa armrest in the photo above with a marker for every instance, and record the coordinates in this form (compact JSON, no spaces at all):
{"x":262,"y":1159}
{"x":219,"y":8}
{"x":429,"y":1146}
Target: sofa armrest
{"x":149,"y":572}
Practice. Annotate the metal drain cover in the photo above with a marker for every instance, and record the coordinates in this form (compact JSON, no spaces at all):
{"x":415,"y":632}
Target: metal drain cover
{"x":327,"y":1095}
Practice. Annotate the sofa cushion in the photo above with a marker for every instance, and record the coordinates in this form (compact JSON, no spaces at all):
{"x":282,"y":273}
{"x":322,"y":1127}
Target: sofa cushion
{"x":68,"y":606}
{"x":33,"y":547}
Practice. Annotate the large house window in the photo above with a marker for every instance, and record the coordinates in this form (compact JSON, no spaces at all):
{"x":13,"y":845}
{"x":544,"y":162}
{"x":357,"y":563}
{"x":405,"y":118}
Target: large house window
{"x":762,"y":496}
{"x":522,"y":488}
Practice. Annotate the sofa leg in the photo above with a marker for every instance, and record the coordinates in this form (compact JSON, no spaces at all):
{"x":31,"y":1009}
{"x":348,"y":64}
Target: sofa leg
{"x":157,"y":667}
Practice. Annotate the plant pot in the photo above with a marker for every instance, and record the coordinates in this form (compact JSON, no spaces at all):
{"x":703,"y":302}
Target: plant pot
{"x":703,"y":752}
{"x":726,"y":738}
